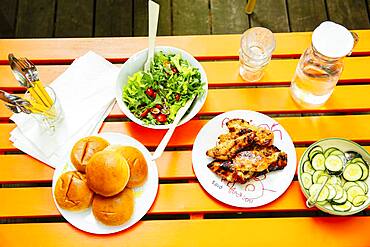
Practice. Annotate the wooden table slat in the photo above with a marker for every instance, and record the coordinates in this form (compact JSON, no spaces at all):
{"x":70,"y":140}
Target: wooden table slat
{"x":172,"y":165}
{"x":74,"y":18}
{"x":331,"y":231}
{"x":119,"y":49}
{"x":306,"y":15}
{"x":272,"y":14}
{"x":42,"y":24}
{"x":171,"y":198}
{"x":8,"y":10}
{"x":109,"y":19}
{"x":348,"y":126}
{"x":228,"y":16}
{"x":220,"y":74}
{"x":267,"y":100}
{"x":349,"y":13}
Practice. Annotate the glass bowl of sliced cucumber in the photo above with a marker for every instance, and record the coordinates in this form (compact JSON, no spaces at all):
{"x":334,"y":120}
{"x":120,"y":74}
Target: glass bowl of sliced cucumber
{"x":334,"y":174}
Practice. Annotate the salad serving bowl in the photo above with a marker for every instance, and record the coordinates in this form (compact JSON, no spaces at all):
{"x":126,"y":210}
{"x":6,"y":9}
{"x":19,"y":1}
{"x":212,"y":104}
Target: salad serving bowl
{"x":136,"y":63}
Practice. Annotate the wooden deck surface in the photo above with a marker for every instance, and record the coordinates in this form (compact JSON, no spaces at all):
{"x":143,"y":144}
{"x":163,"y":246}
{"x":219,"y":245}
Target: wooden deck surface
{"x":106,"y":18}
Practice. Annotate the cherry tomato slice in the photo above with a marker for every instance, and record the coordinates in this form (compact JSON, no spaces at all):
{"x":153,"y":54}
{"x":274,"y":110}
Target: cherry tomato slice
{"x":158,"y":106}
{"x":149,"y":92}
{"x":162,"y":118}
{"x":177,"y":97}
{"x":145,"y":113}
{"x":174,"y":70}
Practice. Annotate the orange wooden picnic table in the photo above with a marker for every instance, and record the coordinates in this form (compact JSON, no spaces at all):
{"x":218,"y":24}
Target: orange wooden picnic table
{"x":183,"y":214}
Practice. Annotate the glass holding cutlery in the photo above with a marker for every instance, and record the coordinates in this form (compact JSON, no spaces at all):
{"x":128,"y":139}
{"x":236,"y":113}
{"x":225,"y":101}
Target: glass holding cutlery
{"x":42,"y":102}
{"x":47,"y":116}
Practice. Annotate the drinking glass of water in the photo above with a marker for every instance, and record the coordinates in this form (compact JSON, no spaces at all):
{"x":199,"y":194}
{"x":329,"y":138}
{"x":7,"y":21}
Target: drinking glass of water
{"x":256,"y":47}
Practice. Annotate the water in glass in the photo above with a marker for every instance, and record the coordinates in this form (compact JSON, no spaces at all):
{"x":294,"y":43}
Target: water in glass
{"x":315,"y":78}
{"x":321,"y":65}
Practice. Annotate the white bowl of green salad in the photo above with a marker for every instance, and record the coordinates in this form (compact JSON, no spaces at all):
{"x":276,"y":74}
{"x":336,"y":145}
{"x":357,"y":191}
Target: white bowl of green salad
{"x":344,"y":164}
{"x":152,"y":98}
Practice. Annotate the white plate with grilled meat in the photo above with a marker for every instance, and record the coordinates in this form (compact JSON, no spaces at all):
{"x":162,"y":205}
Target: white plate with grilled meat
{"x":244,"y":158}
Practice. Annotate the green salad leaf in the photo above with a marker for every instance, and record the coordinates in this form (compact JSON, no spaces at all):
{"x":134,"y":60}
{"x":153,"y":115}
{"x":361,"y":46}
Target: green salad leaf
{"x":169,"y":84}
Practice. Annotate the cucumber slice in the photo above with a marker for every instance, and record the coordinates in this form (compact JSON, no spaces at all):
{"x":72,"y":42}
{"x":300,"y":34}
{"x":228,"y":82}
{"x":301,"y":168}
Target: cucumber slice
{"x":322,"y":203}
{"x":340,"y":154}
{"x":353,"y":192}
{"x":324,"y":194}
{"x":334,"y":180}
{"x":365,"y":170}
{"x":332,"y":191}
{"x":352,"y":172}
{"x":343,"y":208}
{"x":322,"y":179}
{"x":315,"y":149}
{"x":341,"y":200}
{"x":313,"y":154}
{"x":363,"y":186}
{"x":358,"y":159}
{"x":347,"y":185}
{"x":329,"y":150}
{"x":316,"y":176}
{"x":337,"y":152}
{"x":339,"y":191}
{"x":306,"y":180}
{"x":334,"y":163}
{"x":307,"y":167}
{"x":318,"y":162}
{"x":359,"y":200}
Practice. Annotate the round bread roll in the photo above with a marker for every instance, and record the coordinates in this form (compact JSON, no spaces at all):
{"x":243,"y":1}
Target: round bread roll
{"x":107,"y":173}
{"x":115,"y":210}
{"x":71,"y":191}
{"x":136,"y":161}
{"x":84,"y":149}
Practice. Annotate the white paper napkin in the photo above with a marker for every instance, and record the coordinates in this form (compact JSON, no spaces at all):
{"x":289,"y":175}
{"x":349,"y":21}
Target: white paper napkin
{"x":86,"y":92}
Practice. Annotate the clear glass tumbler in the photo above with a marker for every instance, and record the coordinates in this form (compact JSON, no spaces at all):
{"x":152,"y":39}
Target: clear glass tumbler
{"x":256,"y":47}
{"x":50,"y":117}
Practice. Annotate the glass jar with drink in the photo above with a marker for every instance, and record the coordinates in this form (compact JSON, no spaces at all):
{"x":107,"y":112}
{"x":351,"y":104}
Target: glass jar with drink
{"x":321,"y":65}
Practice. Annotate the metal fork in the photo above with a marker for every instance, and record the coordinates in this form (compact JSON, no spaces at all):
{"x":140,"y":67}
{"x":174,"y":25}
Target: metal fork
{"x":30,"y":69}
{"x":28,"y":76}
{"x":15,"y":103}
{"x":24,"y":70}
{"x":18,"y":109}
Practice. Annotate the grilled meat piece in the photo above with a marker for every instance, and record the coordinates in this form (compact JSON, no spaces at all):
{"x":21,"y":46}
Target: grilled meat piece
{"x":248,"y":164}
{"x":227,"y":149}
{"x":242,"y":136}
{"x":226,"y":170}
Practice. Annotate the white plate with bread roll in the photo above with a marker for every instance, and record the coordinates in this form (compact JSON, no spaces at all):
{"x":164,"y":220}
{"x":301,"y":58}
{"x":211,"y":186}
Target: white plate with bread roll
{"x":108,"y":184}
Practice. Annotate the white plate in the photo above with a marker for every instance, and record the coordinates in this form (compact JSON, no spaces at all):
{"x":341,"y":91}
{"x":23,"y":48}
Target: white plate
{"x":144,"y":195}
{"x":256,"y":192}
